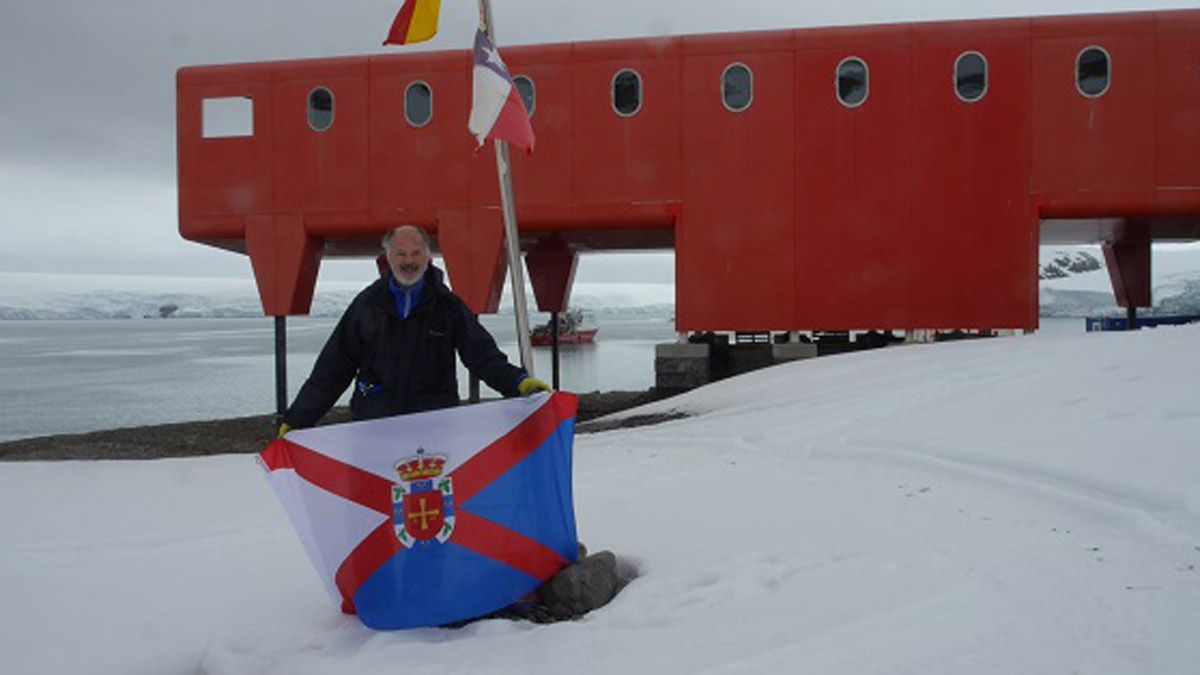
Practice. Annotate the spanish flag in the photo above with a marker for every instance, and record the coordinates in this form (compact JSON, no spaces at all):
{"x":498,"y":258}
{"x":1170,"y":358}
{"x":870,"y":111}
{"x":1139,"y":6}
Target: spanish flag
{"x":416,"y":22}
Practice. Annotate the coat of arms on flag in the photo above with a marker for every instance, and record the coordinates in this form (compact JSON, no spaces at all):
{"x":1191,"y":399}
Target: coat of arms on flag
{"x":423,"y":500}
{"x":405,"y":536}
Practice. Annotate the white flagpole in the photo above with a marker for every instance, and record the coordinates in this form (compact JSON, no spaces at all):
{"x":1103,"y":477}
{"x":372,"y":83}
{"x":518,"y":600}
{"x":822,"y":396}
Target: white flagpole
{"x":516,"y":273}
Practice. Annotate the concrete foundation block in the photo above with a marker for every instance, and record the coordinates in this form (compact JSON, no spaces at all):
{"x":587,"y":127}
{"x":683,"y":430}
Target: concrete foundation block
{"x":681,"y":366}
{"x":792,"y":351}
{"x":745,"y":358}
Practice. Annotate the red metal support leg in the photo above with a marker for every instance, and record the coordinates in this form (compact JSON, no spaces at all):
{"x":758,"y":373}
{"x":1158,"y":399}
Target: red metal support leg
{"x":472,"y":245}
{"x":285,"y":261}
{"x":1128,"y":260}
{"x":551,"y":266}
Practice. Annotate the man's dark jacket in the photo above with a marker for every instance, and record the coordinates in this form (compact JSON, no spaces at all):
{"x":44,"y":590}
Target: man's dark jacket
{"x":401,"y":365}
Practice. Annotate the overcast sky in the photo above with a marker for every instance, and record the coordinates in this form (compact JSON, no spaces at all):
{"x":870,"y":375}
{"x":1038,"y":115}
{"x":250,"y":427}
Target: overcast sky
{"x":87,"y":137}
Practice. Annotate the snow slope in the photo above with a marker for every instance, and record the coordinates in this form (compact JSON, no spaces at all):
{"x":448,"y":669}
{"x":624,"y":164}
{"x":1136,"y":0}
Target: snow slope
{"x":1016,"y":505}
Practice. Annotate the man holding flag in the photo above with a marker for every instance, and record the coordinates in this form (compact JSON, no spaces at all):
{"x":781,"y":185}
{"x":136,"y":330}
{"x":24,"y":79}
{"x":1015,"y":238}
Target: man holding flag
{"x":481,"y":514}
{"x":483,"y":518}
{"x":396,"y":342}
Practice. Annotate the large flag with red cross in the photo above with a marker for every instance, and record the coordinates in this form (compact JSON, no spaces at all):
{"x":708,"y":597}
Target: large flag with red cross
{"x":427,"y":519}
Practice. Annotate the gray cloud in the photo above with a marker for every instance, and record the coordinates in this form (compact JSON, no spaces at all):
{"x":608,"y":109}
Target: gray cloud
{"x":87,"y":93}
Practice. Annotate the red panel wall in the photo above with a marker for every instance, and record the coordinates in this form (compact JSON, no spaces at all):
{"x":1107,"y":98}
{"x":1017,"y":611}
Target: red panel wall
{"x":1093,"y":144}
{"x":1177,"y":123}
{"x":545,"y":177}
{"x":414,"y":171}
{"x":321,"y":172}
{"x":972,"y":226}
{"x":223,"y":176}
{"x":626,"y":159}
{"x":853,"y":182}
{"x":734,"y":244}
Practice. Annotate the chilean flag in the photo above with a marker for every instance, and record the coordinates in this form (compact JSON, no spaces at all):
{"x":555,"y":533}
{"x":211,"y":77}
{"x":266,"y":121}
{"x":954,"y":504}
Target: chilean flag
{"x":497,"y":110}
{"x":436,"y":517}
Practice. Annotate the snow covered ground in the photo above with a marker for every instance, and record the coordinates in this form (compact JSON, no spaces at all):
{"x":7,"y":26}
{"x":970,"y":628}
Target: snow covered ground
{"x":1015,"y":505}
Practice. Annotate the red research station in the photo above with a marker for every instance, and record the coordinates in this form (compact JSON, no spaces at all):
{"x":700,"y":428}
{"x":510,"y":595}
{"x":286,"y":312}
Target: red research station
{"x":869,"y":177}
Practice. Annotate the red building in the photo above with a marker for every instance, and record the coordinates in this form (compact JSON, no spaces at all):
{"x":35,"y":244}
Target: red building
{"x":870,"y":177}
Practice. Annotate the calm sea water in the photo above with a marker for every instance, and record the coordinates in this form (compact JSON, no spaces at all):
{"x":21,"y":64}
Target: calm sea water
{"x":75,"y":376}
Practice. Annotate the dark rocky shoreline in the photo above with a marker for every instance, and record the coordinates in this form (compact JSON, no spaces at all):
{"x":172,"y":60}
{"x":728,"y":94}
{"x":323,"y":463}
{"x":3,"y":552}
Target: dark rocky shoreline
{"x":252,"y":434}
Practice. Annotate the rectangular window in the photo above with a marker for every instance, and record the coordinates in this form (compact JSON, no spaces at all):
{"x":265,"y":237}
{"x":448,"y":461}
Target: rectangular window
{"x":228,"y":117}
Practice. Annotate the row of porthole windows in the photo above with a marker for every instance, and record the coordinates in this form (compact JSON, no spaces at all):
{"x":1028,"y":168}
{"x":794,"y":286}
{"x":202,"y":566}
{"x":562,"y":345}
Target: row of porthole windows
{"x":1092,"y":77}
{"x":626,"y":97}
{"x":418,"y":103}
{"x":852,"y":84}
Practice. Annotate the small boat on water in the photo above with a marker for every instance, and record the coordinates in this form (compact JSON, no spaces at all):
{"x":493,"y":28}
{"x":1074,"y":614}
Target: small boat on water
{"x":570,"y":331}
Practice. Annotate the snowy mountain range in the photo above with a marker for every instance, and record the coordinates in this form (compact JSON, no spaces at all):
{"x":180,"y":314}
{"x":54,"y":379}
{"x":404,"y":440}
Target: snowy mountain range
{"x":1065,"y":263}
{"x":1073,"y":283}
{"x":25,"y":296}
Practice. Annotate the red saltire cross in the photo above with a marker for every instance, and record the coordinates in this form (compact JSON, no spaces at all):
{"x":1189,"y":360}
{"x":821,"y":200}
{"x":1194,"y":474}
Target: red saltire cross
{"x":470,"y":531}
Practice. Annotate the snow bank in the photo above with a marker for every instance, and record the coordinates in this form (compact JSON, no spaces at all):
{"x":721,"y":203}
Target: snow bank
{"x":1010,"y":505}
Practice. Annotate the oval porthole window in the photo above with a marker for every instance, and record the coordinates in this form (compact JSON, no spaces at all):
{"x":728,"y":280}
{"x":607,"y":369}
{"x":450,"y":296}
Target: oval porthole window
{"x":320,"y":109}
{"x":1092,"y":71}
{"x":970,"y":76}
{"x":418,"y":104}
{"x":853,"y":82}
{"x":737,"y":87}
{"x":627,"y":93}
{"x":528,"y":93}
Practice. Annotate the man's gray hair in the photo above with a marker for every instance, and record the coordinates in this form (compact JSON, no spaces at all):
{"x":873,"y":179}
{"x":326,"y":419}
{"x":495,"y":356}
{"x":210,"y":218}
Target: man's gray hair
{"x":391,"y":234}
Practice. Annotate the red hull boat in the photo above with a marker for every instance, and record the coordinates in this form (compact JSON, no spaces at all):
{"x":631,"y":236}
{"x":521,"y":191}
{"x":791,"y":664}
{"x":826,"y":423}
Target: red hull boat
{"x":570,"y":331}
{"x":538,"y":339}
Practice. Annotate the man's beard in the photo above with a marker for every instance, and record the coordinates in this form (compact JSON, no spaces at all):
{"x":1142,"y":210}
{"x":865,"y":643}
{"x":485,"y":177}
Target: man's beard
{"x":408,"y":275}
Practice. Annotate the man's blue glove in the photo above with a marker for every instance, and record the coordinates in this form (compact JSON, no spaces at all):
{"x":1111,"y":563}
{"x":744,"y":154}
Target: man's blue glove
{"x":530,"y":384}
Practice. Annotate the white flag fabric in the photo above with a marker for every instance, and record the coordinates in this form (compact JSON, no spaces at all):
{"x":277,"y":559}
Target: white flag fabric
{"x":435,"y":517}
